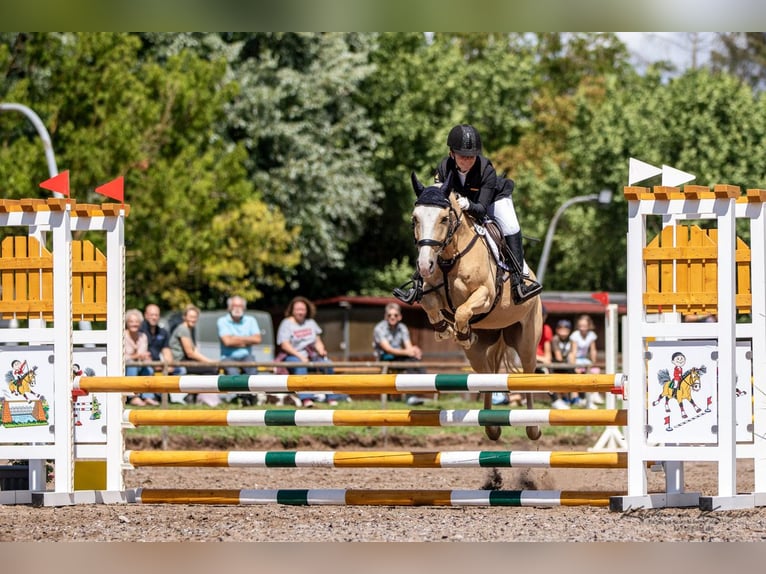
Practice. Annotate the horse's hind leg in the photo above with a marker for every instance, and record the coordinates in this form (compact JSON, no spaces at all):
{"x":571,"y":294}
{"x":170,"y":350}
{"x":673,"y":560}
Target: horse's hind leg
{"x":493,"y":432}
{"x":478,"y":355}
{"x":514,"y":338}
{"x":533,"y":432}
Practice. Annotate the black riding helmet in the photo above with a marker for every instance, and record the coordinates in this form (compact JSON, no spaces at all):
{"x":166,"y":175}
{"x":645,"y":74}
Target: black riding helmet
{"x":465,"y":140}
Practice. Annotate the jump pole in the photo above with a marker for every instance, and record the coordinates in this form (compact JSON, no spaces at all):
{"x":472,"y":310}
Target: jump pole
{"x":376,"y":418}
{"x":355,"y":384}
{"x":376,"y":459}
{"x":352,"y":497}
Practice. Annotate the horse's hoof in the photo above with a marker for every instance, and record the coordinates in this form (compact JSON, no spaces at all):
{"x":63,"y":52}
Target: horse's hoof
{"x":533,"y":433}
{"x":493,"y":432}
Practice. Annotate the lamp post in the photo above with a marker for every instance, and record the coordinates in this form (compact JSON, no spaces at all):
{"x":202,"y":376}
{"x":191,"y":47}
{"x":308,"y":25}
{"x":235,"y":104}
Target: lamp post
{"x":604,"y":197}
{"x":41,"y":131}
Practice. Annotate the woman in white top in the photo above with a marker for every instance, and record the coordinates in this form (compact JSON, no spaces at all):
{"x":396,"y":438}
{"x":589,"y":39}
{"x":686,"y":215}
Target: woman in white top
{"x":584,"y":351}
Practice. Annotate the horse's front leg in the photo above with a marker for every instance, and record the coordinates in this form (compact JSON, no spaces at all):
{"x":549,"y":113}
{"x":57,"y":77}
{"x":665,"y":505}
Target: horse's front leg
{"x":432,"y":306}
{"x":478,"y":302}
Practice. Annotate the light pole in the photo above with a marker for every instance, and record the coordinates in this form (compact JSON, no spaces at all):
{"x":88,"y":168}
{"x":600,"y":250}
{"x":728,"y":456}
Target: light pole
{"x":604,"y":197}
{"x":41,"y":131}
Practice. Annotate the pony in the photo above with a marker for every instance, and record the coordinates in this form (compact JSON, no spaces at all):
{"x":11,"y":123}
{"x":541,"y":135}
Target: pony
{"x":690,"y":381}
{"x":467,"y":296}
{"x":21,"y":380}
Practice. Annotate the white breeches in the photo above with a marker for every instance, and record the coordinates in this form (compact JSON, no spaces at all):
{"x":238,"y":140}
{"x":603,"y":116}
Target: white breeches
{"x":504,"y":214}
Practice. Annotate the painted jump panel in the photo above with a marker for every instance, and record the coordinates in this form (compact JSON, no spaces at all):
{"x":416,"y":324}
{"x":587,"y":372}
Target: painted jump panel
{"x":377,"y":459}
{"x":378,"y":418}
{"x":356,"y":384}
{"x":352,"y":497}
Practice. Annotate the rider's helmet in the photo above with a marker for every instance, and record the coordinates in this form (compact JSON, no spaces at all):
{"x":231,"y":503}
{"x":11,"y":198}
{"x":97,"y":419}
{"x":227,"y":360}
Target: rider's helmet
{"x":464,"y":140}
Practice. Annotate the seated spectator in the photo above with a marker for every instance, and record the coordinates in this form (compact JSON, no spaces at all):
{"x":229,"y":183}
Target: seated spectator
{"x":238,"y":333}
{"x":183,"y":347}
{"x":585,"y":352}
{"x":299,"y":340}
{"x":158,"y":338}
{"x":136,"y":349}
{"x":391,"y":342}
{"x":561,"y":351}
{"x":391,"y":338}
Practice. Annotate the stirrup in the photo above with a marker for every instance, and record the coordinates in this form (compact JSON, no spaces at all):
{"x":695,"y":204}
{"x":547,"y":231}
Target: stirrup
{"x":411,"y":295}
{"x":522,"y":291}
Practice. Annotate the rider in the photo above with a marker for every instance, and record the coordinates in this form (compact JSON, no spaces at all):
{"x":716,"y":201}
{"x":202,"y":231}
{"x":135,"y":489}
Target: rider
{"x":481,"y":193}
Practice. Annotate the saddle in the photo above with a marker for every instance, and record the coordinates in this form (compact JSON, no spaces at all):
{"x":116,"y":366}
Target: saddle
{"x":492,"y":235}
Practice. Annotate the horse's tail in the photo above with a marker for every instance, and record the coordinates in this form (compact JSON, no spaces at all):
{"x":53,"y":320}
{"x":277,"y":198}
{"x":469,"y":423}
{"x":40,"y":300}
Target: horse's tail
{"x":505,"y":357}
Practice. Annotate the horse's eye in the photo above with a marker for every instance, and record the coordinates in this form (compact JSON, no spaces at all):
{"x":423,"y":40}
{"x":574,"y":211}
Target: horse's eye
{"x":445,"y":220}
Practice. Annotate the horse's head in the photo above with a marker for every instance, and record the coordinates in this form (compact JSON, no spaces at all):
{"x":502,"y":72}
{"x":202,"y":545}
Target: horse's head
{"x":434,"y":221}
{"x":694,"y":378}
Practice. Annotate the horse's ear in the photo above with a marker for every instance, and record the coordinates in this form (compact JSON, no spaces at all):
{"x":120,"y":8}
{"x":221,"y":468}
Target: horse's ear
{"x":447,"y":185}
{"x":416,"y":185}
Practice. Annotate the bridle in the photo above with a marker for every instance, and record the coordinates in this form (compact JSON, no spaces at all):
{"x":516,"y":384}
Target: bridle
{"x":454,"y":223}
{"x":446,"y":266}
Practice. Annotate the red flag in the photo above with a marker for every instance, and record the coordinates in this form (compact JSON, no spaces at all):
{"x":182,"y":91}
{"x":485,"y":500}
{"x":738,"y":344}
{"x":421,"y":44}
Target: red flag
{"x":114,"y":189}
{"x":602,"y":297}
{"x":58,"y":183}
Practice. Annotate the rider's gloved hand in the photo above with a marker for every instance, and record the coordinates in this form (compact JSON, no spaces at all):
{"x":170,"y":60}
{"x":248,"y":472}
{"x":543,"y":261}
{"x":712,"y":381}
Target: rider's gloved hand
{"x":463,"y":203}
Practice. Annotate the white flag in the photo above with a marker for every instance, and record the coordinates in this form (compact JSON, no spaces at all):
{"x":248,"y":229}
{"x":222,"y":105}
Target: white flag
{"x":639,"y":171}
{"x":672,"y":177}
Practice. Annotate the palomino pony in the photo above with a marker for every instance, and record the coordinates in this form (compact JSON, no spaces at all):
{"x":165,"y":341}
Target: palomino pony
{"x":690,"y":381}
{"x":463,"y":296}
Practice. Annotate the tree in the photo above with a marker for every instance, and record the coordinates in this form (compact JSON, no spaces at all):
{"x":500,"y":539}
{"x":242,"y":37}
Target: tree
{"x":742,"y":54}
{"x":111,"y":113}
{"x":309,"y":141}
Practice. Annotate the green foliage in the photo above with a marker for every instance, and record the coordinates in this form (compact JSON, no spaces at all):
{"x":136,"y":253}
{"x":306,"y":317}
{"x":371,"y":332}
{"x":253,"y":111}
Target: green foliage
{"x":309,"y":141}
{"x":379,"y":282}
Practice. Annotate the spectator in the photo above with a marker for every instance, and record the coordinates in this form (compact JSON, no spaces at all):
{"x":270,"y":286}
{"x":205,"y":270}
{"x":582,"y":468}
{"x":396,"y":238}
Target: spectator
{"x":391,"y":342}
{"x":561,"y":351}
{"x":299,"y":340}
{"x":238,"y":333}
{"x":136,"y":349}
{"x":544,"y":351}
{"x":183,"y":347}
{"x":585,"y":352}
{"x":159,"y":338}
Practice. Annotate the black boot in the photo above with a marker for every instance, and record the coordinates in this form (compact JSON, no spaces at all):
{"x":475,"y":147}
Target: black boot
{"x":522,"y":288}
{"x":412,"y":294}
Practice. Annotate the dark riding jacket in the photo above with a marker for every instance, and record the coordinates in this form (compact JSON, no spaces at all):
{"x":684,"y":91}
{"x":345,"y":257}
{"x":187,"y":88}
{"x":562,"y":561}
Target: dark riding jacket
{"x":482,"y":184}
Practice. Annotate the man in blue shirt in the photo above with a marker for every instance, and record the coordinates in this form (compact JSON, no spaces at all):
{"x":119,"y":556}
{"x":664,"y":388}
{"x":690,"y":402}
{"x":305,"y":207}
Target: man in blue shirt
{"x":238,"y":333}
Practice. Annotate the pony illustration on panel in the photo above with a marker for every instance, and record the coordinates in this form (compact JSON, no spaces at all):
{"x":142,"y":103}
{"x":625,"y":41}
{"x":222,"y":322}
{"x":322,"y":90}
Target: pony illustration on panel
{"x":466,"y":295}
{"x":21,"y":379}
{"x":680,"y":388}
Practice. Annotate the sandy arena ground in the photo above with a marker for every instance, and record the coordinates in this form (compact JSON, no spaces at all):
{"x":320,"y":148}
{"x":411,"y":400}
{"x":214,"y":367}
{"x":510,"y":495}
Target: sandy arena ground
{"x":277,"y":523}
